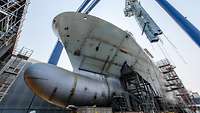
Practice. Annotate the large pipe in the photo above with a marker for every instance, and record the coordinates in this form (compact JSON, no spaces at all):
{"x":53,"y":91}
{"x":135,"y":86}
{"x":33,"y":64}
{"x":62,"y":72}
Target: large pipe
{"x":187,"y":26}
{"x":63,"y":88}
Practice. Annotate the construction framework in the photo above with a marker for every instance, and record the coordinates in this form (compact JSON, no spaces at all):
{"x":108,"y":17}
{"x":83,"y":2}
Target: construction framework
{"x":11,"y":70}
{"x":12,"y":14}
{"x":175,"y":85}
{"x":140,"y":96}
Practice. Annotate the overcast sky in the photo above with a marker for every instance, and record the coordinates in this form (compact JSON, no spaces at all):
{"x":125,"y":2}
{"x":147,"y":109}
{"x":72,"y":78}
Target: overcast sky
{"x":37,"y":32}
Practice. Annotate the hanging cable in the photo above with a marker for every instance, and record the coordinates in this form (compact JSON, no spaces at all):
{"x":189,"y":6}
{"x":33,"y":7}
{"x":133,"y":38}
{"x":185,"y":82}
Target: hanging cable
{"x":165,"y":50}
{"x":175,"y":49}
{"x":165,"y":53}
{"x":169,"y":41}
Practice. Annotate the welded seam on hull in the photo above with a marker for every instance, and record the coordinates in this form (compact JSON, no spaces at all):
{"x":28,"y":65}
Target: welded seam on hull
{"x":35,"y":78}
{"x":72,"y":92}
{"x":115,"y":54}
{"x":53,"y":93}
{"x":109,"y":94}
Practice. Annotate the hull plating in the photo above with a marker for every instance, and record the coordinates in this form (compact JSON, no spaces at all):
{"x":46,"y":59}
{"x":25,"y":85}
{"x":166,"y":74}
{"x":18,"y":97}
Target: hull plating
{"x":63,"y":88}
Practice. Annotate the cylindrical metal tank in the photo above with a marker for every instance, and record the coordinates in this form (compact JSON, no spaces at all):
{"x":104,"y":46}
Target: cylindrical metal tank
{"x":63,"y":88}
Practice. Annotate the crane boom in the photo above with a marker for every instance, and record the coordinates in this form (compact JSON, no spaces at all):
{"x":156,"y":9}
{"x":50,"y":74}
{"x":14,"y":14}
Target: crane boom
{"x":146,"y":23}
{"x":83,"y":5}
{"x":186,"y":25}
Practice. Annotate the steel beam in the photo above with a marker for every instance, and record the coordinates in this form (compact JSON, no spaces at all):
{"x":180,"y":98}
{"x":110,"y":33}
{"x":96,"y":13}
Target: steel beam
{"x":186,"y":25}
{"x":54,"y":58}
{"x":91,"y":6}
{"x":83,"y":5}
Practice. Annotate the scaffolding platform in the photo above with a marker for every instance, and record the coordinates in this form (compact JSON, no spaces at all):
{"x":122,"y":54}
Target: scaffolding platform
{"x":142,"y":95}
{"x":11,"y":70}
{"x":174,"y":84}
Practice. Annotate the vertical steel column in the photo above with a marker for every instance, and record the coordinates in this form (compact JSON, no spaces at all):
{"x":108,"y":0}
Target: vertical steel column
{"x":56,"y":53}
{"x":187,"y":26}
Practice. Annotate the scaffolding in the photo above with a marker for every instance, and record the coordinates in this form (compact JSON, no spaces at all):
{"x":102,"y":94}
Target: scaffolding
{"x":11,"y":70}
{"x":174,"y":84}
{"x":141,"y":94}
{"x":12,"y":14}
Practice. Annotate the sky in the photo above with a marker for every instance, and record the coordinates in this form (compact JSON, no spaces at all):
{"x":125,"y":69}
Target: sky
{"x":37,"y":33}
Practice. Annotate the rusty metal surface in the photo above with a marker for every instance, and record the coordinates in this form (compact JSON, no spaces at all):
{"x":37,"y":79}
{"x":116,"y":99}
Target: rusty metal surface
{"x":97,"y":46}
{"x":71,"y":88}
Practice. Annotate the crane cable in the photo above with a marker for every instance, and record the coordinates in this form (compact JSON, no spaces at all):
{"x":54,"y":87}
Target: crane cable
{"x":175,"y":49}
{"x":164,"y":52}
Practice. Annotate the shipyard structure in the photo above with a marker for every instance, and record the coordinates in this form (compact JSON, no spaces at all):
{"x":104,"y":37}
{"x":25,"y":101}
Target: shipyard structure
{"x":111,"y":72}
